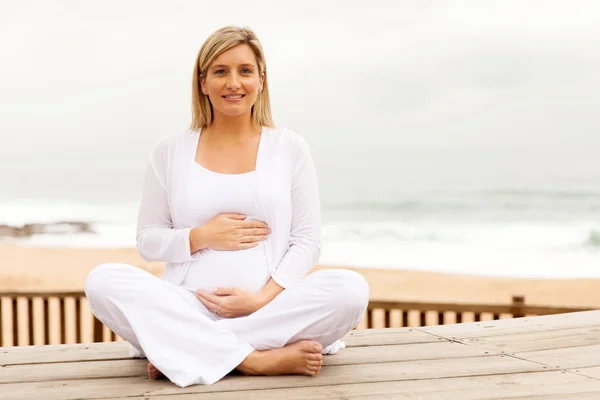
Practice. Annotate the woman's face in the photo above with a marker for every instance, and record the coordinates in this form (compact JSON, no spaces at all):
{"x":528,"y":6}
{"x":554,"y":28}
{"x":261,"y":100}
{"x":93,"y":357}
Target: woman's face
{"x":232,"y":82}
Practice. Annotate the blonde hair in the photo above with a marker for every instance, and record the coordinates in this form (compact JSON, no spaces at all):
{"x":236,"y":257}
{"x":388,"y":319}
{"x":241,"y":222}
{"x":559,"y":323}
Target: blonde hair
{"x":217,"y":43}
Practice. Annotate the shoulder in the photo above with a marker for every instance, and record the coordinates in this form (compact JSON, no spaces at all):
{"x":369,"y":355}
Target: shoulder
{"x":284,"y":139}
{"x":172,"y":142}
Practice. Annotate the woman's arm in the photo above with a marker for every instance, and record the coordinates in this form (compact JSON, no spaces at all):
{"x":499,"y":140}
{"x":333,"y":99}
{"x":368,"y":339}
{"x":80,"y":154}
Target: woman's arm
{"x":157,"y":239}
{"x":305,"y":236}
{"x":268,"y":293}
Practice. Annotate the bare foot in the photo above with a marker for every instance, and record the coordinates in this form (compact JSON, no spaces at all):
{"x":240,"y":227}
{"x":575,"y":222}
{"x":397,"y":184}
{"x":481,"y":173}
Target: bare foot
{"x":300,"y":358}
{"x":153,"y":372}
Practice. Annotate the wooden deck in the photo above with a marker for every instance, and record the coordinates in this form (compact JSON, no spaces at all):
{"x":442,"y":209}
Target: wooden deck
{"x":548,"y":357}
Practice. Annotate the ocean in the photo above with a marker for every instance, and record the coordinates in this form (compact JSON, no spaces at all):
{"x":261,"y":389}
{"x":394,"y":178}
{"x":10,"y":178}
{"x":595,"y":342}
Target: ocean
{"x":486,"y":212}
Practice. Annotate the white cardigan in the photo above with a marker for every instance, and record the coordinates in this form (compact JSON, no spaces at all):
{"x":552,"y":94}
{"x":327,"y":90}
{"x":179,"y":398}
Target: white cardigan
{"x":288,"y":201}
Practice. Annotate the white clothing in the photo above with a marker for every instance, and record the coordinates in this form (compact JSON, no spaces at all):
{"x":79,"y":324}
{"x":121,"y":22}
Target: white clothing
{"x":163,"y":319}
{"x":190,"y":345}
{"x":286,"y":197}
{"x":228,"y":193}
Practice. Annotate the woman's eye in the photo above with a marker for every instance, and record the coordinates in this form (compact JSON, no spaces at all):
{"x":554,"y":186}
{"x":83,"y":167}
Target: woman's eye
{"x":219,"y":71}
{"x":246,"y":71}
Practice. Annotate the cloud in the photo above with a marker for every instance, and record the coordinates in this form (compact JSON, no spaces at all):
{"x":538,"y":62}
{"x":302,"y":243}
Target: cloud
{"x":79,"y":78}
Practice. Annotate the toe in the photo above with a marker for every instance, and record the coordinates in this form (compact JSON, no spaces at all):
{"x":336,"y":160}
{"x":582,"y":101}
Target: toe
{"x":313,"y":347}
{"x":314,"y":363}
{"x":313,"y":370}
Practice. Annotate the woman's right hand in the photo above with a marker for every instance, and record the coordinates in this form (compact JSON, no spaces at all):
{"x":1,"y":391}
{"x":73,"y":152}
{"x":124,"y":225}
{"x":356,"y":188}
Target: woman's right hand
{"x":229,"y":232}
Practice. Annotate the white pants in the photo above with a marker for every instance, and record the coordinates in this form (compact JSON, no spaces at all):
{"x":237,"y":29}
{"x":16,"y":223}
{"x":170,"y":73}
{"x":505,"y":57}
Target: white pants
{"x":190,"y":345}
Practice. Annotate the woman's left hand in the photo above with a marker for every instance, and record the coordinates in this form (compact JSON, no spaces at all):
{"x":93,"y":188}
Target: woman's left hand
{"x":230,"y":302}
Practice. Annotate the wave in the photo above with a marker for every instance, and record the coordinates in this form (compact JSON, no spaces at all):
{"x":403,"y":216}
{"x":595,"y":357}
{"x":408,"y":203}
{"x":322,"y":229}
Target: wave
{"x":560,"y":194}
{"x":477,"y":200}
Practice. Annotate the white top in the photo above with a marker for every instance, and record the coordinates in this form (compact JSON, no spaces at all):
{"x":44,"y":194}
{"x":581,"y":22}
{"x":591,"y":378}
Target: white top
{"x":229,"y":193}
{"x":286,"y":198}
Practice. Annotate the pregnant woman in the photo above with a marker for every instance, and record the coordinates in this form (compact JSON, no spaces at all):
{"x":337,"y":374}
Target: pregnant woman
{"x":232,"y":206}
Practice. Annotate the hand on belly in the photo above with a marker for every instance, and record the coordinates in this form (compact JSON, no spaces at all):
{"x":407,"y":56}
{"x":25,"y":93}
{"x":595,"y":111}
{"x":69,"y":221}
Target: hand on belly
{"x":230,"y":302}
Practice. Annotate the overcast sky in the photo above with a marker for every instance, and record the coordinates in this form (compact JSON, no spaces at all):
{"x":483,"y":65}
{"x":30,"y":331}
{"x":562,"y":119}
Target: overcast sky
{"x":106,"y":79}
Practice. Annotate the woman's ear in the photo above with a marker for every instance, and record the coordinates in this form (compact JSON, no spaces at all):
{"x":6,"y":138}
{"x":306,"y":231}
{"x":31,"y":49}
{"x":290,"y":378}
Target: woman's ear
{"x":203,"y":85}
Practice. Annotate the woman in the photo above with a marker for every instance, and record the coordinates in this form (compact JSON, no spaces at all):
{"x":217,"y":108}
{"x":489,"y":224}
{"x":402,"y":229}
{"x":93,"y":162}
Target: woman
{"x":232,"y":206}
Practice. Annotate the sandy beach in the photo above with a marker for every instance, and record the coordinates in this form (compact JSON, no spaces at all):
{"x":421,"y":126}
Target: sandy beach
{"x":61,"y":269}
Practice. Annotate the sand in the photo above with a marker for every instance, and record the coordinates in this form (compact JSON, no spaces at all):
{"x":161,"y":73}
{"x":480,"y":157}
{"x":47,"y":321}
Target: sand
{"x":57,"y":269}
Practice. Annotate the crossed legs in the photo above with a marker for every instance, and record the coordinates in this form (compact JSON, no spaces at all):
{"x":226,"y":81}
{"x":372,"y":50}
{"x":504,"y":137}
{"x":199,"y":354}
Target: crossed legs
{"x":190,"y":345}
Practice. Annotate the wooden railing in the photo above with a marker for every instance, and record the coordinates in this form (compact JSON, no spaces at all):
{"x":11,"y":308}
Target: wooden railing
{"x":65,"y":317}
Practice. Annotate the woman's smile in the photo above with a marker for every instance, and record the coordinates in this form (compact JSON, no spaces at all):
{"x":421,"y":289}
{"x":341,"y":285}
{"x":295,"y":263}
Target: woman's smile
{"x":233,"y":98}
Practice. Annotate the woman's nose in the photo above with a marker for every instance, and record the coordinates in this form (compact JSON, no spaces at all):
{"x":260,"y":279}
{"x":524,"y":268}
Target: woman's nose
{"x":233,"y":82}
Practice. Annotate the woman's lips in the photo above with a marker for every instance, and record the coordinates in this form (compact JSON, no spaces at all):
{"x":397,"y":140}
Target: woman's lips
{"x":233,"y":97}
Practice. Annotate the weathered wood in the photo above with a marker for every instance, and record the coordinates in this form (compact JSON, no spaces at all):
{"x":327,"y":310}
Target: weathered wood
{"x":420,"y":310}
{"x":381,"y":337}
{"x":416,"y":351}
{"x":587,"y":395}
{"x":127,"y":367}
{"x":119,"y":350}
{"x":378,"y":363}
{"x":514,"y":386}
{"x":73,"y":370}
{"x":516,"y":325}
{"x":63,"y":353}
{"x":592,"y":372}
{"x":331,"y":375}
{"x":566,"y":358}
{"x":531,"y":341}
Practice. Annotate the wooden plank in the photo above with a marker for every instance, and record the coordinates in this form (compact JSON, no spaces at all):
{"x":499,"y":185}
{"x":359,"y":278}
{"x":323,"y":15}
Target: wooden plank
{"x":417,"y":351}
{"x":538,"y":385}
{"x":592,"y":395}
{"x":118,"y":350}
{"x":389,"y":336}
{"x":350,"y":356}
{"x":567,"y":358}
{"x":582,"y":319}
{"x":541,"y":340}
{"x":592,"y":372}
{"x":63,"y":353}
{"x":73,"y":370}
{"x":83,"y":388}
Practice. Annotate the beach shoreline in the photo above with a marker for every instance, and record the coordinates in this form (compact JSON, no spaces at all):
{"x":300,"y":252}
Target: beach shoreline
{"x":26,"y":269}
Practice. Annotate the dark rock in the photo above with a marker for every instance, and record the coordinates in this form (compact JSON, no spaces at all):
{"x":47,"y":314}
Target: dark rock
{"x":55,"y":228}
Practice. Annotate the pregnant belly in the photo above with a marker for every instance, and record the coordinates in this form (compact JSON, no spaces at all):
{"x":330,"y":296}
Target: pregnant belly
{"x":246,"y":269}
